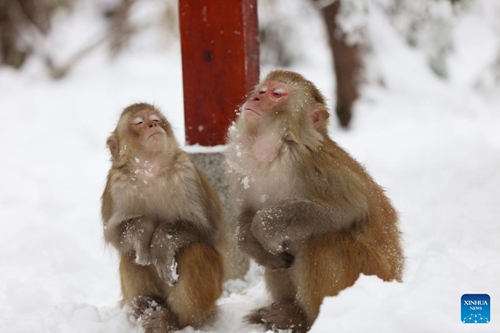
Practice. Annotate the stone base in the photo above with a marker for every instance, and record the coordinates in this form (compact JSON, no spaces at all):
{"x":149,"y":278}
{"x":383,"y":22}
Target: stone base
{"x":212,"y":166}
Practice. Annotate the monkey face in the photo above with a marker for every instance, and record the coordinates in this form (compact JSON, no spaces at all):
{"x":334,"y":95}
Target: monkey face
{"x":268,"y":100}
{"x":148,"y":127}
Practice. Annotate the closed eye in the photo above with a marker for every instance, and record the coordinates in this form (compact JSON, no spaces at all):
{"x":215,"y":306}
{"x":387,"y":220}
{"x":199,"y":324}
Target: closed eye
{"x":137,"y":121}
{"x":279,"y":92}
{"x":154,"y":117}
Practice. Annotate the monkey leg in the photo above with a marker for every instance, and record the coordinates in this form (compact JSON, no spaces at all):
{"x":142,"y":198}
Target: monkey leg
{"x":280,"y":285}
{"x":330,"y":263}
{"x":137,"y":280}
{"x":146,"y":295}
{"x":193,"y":298}
{"x":284,"y":313}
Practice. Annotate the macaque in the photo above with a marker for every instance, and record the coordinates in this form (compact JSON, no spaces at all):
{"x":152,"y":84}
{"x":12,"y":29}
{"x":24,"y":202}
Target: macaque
{"x":309,"y":213}
{"x":165,"y":220}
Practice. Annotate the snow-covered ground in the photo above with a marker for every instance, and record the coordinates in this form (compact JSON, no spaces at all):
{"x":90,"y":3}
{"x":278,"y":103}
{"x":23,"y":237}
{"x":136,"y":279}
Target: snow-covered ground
{"x":433,"y":144}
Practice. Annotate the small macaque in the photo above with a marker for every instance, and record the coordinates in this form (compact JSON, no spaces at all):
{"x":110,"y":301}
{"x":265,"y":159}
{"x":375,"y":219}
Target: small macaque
{"x":165,"y":220}
{"x":309,"y":213}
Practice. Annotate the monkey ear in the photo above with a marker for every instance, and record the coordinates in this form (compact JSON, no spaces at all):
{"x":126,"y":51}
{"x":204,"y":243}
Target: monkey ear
{"x":319,"y":117}
{"x":113,"y":145}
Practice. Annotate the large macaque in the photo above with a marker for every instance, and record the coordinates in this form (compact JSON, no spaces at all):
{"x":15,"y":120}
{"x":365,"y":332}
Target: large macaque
{"x":165,"y":220}
{"x":309,"y":213}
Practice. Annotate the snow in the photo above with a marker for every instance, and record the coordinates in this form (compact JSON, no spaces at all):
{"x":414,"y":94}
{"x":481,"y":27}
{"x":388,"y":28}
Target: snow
{"x":434,"y":145}
{"x":246,"y":182}
{"x":173,"y":272}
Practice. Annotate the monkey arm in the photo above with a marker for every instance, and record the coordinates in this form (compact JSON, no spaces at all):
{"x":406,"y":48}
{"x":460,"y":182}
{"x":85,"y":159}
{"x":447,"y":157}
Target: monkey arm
{"x":167,"y":240}
{"x":131,"y":235}
{"x":251,"y":246}
{"x":286,"y":226}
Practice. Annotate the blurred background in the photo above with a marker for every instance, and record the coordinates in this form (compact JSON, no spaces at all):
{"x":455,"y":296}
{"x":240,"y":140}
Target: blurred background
{"x":60,"y":37}
{"x":414,"y":90}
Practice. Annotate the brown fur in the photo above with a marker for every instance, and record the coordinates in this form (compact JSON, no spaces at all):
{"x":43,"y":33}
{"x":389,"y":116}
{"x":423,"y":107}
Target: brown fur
{"x":310,"y":213}
{"x":191,"y":301}
{"x":280,"y":315}
{"x":165,"y":220}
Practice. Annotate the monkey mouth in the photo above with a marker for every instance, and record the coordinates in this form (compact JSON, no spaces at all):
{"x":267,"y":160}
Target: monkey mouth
{"x":252,"y":110}
{"x":153,"y":134}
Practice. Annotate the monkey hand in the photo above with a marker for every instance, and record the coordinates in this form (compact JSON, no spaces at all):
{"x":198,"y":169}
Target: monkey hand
{"x":249,"y":245}
{"x":139,"y":235}
{"x":132,"y":235}
{"x":252,"y":247}
{"x":275,"y":229}
{"x":168,"y":239}
{"x":166,"y":267}
{"x":275,"y":261}
{"x":142,"y":256}
{"x":163,"y":250}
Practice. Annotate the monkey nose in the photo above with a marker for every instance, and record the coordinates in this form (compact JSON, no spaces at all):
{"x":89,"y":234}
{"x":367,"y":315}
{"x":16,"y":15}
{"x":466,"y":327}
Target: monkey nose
{"x":152,"y":125}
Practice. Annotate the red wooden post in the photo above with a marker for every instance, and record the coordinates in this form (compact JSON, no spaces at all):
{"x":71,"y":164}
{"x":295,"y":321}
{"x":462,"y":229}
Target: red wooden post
{"x":220,"y":64}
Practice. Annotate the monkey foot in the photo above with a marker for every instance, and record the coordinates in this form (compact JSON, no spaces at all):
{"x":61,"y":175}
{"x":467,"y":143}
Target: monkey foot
{"x":280,"y":315}
{"x":141,"y":305}
{"x":153,"y":315}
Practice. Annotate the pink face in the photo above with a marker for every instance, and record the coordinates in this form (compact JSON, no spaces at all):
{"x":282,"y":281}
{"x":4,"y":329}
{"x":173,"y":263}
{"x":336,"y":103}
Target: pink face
{"x":265,"y":101}
{"x":147,"y":125}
